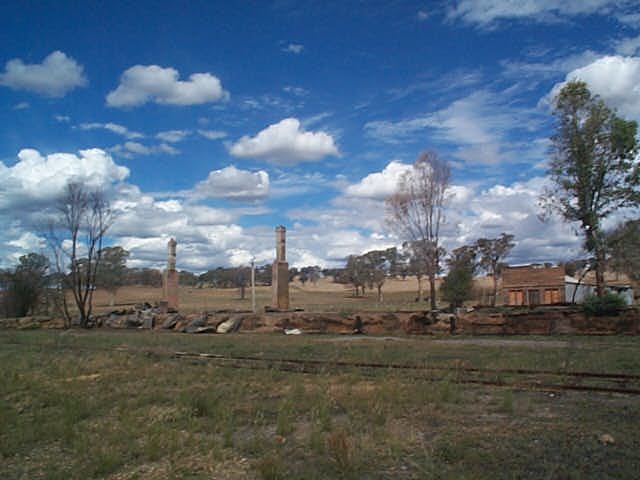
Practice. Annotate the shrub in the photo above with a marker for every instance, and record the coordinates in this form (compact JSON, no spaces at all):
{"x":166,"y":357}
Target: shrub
{"x":608,"y":304}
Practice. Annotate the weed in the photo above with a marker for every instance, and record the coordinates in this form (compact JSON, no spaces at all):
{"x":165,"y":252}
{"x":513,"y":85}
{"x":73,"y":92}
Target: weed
{"x":271,"y":468}
{"x":321,"y":414}
{"x":284,"y":420}
{"x":448,"y":391}
{"x":201,"y":404}
{"x":316,"y":440}
{"x":377,"y":413}
{"x":506,"y":406}
{"x":104,"y":461}
{"x":340,"y":450}
{"x":228,"y":428}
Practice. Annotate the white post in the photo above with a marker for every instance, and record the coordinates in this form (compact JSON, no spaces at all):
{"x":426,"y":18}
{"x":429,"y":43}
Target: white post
{"x":253,"y":285}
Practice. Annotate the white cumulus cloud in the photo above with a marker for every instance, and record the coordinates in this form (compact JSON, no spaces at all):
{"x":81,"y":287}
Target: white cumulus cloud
{"x":38,"y":179}
{"x":56,"y":76}
{"x":615,"y":78}
{"x":141,"y":84}
{"x":379,"y":185}
{"x":234,"y":184}
{"x":285,"y":143}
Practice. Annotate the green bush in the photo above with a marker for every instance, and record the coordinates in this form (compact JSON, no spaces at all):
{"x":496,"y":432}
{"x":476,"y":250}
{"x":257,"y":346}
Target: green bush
{"x":608,"y":304}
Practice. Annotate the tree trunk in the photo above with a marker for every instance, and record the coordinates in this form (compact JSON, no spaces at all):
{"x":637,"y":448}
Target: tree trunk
{"x":420,"y":296}
{"x":600,"y":259}
{"x":432,"y":292}
{"x":379,"y":293}
{"x":495,"y":289}
{"x":112,"y":298}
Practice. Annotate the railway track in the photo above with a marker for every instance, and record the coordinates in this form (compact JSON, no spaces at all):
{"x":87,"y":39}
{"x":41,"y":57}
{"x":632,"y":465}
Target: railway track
{"x":524,"y":379}
{"x":515,"y":378}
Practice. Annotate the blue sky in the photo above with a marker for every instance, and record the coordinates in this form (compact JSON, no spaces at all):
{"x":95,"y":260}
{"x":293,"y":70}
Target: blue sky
{"x":213,"y":122}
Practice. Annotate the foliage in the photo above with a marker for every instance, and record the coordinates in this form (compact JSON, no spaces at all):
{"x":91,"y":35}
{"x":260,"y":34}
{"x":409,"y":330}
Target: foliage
{"x":378,"y":265}
{"x":143,"y":276}
{"x":575,"y":267}
{"x":25,"y":285}
{"x":111,"y":271}
{"x":607,"y":304}
{"x":457,"y":285}
{"x":241,"y":278}
{"x":354,"y":273}
{"x":623,"y":245}
{"x":416,"y":212}
{"x":416,"y":257}
{"x":592,"y":167}
{"x":231,"y":277}
{"x":491,"y":252}
{"x":188,"y":279}
{"x":310,"y":274}
{"x":369,"y":270}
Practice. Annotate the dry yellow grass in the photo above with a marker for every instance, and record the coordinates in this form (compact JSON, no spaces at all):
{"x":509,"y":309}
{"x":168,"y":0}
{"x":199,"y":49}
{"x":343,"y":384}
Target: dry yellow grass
{"x":325,"y":295}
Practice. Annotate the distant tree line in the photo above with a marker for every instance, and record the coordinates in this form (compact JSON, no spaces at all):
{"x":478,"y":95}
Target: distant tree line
{"x":371,"y":269}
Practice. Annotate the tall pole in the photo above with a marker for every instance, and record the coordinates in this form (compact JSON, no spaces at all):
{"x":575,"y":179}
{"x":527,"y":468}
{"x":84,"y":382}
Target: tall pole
{"x":253,"y":285}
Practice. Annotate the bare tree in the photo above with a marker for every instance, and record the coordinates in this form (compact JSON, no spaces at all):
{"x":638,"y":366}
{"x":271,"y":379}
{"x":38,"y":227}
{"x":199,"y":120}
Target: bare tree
{"x":79,"y":228}
{"x":416,"y":212}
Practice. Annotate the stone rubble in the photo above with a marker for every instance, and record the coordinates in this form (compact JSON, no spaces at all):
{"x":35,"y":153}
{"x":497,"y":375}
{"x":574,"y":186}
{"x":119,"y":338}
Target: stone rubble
{"x":482,"y":321}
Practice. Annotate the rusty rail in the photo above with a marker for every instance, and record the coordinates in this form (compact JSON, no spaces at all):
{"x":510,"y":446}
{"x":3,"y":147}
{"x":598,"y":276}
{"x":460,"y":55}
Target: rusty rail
{"x":454,"y":374}
{"x":311,"y":366}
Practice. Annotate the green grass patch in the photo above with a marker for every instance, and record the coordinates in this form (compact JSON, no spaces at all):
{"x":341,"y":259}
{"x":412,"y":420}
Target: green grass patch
{"x":117,"y":405}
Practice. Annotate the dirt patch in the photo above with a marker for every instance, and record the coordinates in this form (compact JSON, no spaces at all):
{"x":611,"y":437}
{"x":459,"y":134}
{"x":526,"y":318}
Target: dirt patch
{"x":499,"y":342}
{"x":364,"y":338}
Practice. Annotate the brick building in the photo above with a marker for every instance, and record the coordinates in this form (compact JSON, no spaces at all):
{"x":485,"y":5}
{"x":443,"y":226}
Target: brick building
{"x":533,"y":285}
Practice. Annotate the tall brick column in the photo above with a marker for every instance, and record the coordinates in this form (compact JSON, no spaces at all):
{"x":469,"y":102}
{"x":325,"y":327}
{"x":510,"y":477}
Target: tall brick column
{"x":170,"y":287}
{"x":280,"y":272}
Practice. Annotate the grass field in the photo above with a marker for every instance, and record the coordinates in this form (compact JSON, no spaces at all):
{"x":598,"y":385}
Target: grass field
{"x":117,"y":405}
{"x":324,"y":296}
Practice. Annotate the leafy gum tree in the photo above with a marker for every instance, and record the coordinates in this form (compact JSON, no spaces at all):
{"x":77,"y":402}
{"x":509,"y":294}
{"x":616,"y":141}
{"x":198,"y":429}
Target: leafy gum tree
{"x":112,"y":270}
{"x":492,"y":252}
{"x":623,"y":245}
{"x":26,"y":285}
{"x":457,"y":285}
{"x":378,"y":264}
{"x":593,"y":167}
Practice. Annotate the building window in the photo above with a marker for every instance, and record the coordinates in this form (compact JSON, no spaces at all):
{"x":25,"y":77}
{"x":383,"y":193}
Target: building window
{"x":516,"y":297}
{"x":534,"y":297}
{"x":551,"y":296}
